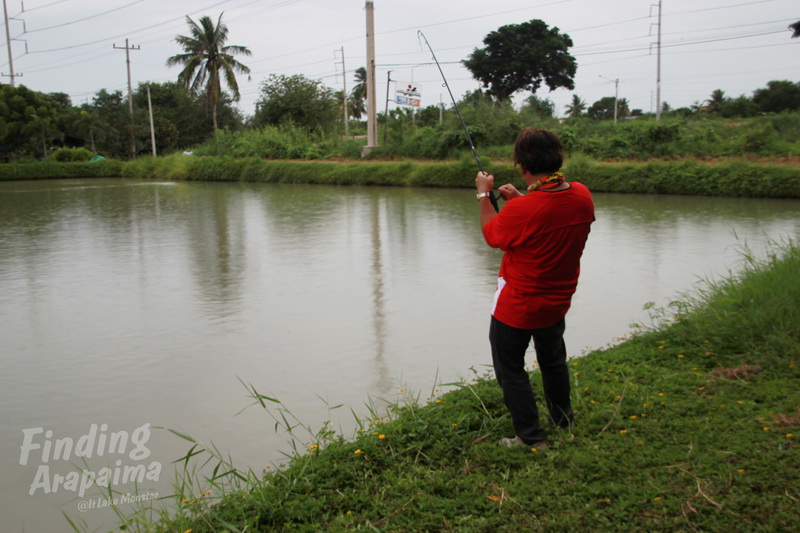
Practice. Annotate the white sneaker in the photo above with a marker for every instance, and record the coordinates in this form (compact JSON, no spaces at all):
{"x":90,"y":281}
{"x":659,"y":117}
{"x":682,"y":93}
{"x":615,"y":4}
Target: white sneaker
{"x":516,"y":441}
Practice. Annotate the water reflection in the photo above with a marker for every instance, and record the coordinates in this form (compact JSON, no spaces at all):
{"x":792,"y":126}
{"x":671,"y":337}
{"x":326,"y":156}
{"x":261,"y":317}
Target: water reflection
{"x":381,"y":383}
{"x":136,"y":302}
{"x":218,"y":243}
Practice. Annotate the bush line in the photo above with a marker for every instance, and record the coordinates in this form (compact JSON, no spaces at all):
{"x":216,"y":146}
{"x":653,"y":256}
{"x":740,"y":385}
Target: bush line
{"x":731,"y":178}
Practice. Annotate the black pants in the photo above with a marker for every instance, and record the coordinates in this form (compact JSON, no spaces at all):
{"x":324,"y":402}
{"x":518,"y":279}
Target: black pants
{"x":508,"y":355}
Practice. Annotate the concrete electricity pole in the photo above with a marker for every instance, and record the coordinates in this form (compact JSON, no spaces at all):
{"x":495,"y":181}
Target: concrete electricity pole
{"x":372,"y":114}
{"x":616,"y":95}
{"x":11,"y":73}
{"x":658,"y":65}
{"x":344,"y":92}
{"x":152,"y":126}
{"x":128,"y":49}
{"x":386,"y":110}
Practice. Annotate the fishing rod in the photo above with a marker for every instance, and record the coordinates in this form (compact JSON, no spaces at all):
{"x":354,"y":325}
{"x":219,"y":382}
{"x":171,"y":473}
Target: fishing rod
{"x":492,"y":197}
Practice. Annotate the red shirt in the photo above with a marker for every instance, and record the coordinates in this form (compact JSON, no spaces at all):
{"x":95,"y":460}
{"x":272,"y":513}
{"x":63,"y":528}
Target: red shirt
{"x":542,"y":234}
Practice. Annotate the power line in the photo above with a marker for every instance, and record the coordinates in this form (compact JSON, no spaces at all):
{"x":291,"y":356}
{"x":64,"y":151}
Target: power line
{"x":87,"y":18}
{"x":106,"y":39}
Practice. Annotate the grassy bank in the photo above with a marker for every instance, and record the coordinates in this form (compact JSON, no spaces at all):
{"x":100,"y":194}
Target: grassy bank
{"x":692,"y":424}
{"x":732,"y":178}
{"x":59,"y":170}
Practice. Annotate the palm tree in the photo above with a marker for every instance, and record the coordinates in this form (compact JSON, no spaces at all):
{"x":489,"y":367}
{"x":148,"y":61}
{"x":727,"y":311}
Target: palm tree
{"x":359,"y":93}
{"x":577,"y":107}
{"x":717,"y":101}
{"x":206,"y":59}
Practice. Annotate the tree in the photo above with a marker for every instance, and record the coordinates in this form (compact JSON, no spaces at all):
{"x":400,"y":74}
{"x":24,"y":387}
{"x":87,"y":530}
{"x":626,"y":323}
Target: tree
{"x":112,"y":109}
{"x":778,"y":96}
{"x":540,"y":107}
{"x":603,"y":109}
{"x":30,"y":119}
{"x":89,"y":124}
{"x":297,"y":100}
{"x":576,"y":107}
{"x":475,"y":98}
{"x":358,"y":95}
{"x":206,"y":59}
{"x":717,"y":101}
{"x":39,"y":129}
{"x":742,"y":106}
{"x":522,"y":56}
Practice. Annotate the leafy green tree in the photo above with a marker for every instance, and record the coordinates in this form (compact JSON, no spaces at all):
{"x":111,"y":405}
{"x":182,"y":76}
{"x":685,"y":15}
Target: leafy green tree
{"x":40,"y":129}
{"x":30,"y":119}
{"x":180,"y":117}
{"x":539,"y":107}
{"x":112,"y":109}
{"x":742,"y":106}
{"x":476,"y":97}
{"x":778,"y":96}
{"x":428,"y":116}
{"x":207,"y":59}
{"x":297,"y":100}
{"x":603,"y":109}
{"x":522,"y":56}
{"x":576,"y":107}
{"x":89,"y":124}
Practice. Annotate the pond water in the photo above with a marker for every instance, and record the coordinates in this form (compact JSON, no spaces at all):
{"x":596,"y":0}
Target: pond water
{"x":131,"y":306}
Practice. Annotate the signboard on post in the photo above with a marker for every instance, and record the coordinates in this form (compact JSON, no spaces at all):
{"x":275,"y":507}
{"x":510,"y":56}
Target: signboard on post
{"x":407,"y":94}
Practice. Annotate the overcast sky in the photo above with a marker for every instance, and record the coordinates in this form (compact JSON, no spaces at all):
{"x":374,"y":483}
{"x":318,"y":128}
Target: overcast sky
{"x":734,"y":45}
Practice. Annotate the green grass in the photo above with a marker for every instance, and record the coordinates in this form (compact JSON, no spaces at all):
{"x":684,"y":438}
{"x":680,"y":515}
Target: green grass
{"x":689,"y":424}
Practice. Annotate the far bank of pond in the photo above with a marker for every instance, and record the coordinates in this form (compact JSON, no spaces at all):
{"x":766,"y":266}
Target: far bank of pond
{"x":733,"y":178}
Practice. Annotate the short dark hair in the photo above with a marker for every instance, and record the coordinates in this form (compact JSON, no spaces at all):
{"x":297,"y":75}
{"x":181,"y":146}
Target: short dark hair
{"x":538,"y":151}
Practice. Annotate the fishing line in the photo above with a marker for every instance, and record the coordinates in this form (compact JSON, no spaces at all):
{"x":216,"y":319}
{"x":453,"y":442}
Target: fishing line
{"x":458,"y":112}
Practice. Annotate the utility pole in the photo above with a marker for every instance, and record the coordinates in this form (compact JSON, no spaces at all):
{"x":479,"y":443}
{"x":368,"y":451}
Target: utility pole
{"x":386,"y":110}
{"x":152,"y":126}
{"x":128,"y":49}
{"x":658,"y":64}
{"x":616,"y":96}
{"x":11,"y":74}
{"x":344,"y":92}
{"x":372,"y":114}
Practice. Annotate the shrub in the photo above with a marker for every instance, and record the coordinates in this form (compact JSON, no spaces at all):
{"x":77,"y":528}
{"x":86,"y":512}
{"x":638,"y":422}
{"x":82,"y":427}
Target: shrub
{"x":66,"y":155}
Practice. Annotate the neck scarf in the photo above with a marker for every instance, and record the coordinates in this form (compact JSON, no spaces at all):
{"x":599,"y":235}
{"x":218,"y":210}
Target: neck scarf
{"x":552,"y":180}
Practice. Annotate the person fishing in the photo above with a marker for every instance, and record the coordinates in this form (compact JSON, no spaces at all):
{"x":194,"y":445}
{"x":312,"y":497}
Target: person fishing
{"x":543,"y":234}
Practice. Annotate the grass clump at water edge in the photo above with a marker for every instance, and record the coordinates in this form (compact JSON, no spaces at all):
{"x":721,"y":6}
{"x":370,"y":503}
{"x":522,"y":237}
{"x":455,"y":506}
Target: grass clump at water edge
{"x":691,"y":424}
